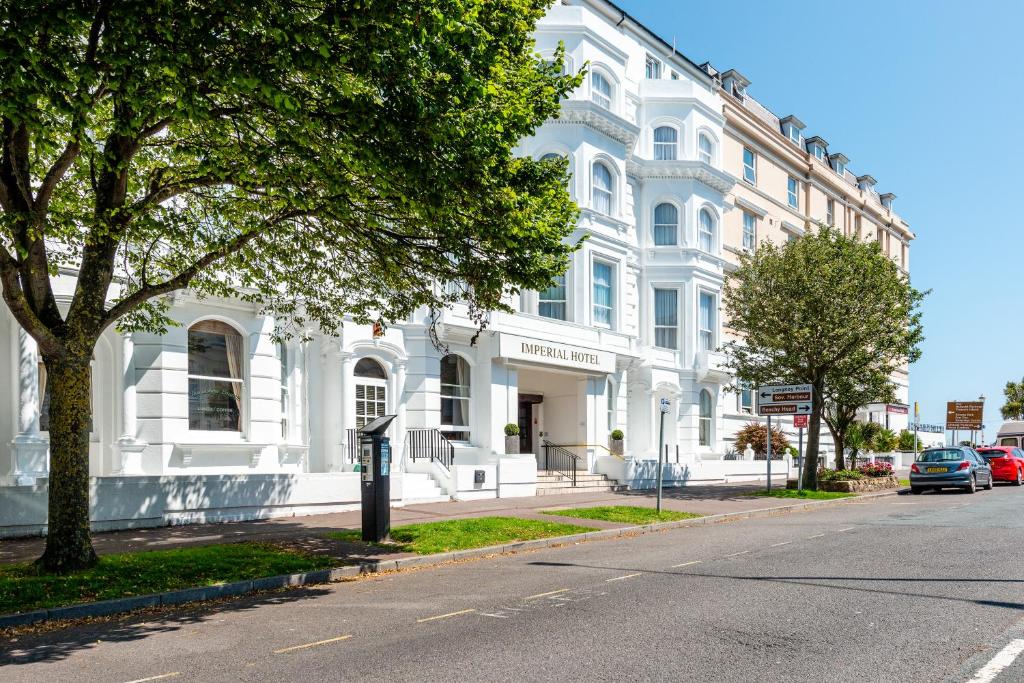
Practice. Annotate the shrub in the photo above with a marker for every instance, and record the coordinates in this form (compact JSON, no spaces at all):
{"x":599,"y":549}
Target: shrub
{"x":838,"y":475}
{"x":756,"y":434}
{"x":511,"y":429}
{"x":875,"y":469}
{"x":906,"y":442}
{"x":885,"y":441}
{"x":617,"y":435}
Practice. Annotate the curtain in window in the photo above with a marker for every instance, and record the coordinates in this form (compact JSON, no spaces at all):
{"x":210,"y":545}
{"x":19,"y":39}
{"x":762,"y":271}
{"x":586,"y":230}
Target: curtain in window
{"x":666,"y":318}
{"x":705,"y":148}
{"x":704,"y":423}
{"x":552,"y":300}
{"x":602,"y":192}
{"x":600,"y":90}
{"x":602,"y":293}
{"x":215,"y":357}
{"x":707,"y":231}
{"x":749,"y":230}
{"x":665,"y":143}
{"x":666,"y":224}
{"x":707,"y":319}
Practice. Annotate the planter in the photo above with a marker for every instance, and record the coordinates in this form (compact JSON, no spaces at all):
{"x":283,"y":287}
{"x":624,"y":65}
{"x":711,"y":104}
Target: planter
{"x":511,"y":445}
{"x":616,"y":445}
{"x":863,"y":485}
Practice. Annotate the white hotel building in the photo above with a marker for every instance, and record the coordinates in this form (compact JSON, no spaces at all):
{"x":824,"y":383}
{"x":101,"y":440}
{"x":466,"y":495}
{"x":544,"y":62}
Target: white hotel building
{"x":214,"y":421}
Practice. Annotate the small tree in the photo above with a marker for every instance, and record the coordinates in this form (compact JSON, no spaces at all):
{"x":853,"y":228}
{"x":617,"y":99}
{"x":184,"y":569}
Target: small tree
{"x":885,"y":441}
{"x":907,"y":441}
{"x":814,"y":309}
{"x":849,"y":390}
{"x":318,"y":160}
{"x":755,"y":434}
{"x":1013,"y":409}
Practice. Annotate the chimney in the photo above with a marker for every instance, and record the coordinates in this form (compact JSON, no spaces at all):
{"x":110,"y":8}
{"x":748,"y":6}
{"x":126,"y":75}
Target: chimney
{"x":887,"y":199}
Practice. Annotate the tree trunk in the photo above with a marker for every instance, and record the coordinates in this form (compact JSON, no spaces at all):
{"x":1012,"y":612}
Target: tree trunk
{"x":814,"y":437}
{"x":68,"y":543}
{"x":840,"y":440}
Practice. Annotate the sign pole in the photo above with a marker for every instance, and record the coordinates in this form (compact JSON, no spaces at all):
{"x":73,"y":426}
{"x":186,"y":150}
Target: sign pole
{"x":917,"y":420}
{"x":769,"y":454}
{"x":800,"y":465}
{"x":661,"y":451}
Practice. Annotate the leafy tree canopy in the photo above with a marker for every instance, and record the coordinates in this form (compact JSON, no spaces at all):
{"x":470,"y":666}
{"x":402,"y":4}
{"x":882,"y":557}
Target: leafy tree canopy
{"x":1013,"y":409}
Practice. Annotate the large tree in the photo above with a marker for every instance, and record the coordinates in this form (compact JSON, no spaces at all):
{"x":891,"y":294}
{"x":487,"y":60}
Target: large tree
{"x":320,"y":159}
{"x":1013,"y":409}
{"x":818,"y":308}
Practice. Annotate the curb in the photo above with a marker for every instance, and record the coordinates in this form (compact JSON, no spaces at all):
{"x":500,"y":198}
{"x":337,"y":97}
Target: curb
{"x":321,"y":576}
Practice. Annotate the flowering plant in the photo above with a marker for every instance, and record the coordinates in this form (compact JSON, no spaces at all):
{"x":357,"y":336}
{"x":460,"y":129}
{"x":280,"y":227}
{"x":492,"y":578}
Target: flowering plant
{"x":875,"y":469}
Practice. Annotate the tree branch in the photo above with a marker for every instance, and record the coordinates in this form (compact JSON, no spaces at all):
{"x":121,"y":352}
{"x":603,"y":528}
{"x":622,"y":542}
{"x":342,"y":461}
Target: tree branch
{"x":55,"y":174}
{"x":19,"y":305}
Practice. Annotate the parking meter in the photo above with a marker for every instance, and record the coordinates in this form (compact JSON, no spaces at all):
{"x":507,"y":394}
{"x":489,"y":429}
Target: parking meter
{"x":375,"y":472}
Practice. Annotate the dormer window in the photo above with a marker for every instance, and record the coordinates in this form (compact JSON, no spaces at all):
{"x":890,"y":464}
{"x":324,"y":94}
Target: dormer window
{"x":839,"y":162}
{"x":792,"y":128}
{"x":818,"y":148}
{"x":887,"y":200}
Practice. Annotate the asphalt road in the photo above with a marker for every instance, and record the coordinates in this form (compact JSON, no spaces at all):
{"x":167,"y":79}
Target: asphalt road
{"x":906,"y":588}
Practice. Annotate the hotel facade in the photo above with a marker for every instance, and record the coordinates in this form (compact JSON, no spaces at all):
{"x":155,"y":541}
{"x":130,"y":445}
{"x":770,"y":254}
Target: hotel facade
{"x":676,"y":170}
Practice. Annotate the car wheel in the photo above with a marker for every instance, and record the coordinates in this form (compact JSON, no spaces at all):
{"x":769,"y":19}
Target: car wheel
{"x":1020,"y":479}
{"x":991,"y":482}
{"x":916,"y":490}
{"x":972,"y":486}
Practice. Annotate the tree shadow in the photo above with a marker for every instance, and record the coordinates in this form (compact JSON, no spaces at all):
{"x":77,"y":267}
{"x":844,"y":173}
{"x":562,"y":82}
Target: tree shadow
{"x":58,"y":641}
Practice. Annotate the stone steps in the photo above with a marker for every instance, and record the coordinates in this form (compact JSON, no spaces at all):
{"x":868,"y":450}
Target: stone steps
{"x":549,"y":483}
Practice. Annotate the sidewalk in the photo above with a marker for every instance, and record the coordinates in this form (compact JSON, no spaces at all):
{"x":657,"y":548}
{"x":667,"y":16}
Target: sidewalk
{"x":308,"y":532}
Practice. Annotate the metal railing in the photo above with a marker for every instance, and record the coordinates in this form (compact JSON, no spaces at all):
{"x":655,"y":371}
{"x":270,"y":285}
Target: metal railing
{"x":351,"y":446}
{"x":429,"y":444}
{"x":561,"y":460}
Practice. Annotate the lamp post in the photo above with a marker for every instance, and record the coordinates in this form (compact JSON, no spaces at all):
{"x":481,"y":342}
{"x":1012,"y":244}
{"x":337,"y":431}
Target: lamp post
{"x":982,"y":399}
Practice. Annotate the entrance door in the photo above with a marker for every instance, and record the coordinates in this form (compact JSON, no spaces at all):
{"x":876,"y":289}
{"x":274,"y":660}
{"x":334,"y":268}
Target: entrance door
{"x":526,"y":403}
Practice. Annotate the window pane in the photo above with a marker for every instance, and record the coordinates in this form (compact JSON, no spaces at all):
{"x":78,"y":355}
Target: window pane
{"x":749,"y":230}
{"x":666,"y":318}
{"x":602,"y":191}
{"x":552,"y":300}
{"x":665,"y":139}
{"x":367,"y":367}
{"x":602,"y":293}
{"x":704,"y":422}
{"x":666,"y":225}
{"x":213,"y":405}
{"x":707,"y":236}
{"x":749,"y":169}
{"x":706,"y":149}
{"x":600,"y":90}
{"x":707,"y":321}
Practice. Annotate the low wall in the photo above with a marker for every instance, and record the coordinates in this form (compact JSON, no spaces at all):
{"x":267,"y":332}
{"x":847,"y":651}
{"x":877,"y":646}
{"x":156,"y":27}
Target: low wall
{"x":643,"y":474}
{"x":517,"y":476}
{"x":862,"y":485}
{"x":136,"y":502}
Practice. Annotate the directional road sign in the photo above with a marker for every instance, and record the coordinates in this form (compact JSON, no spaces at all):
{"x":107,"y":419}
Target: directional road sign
{"x":784,"y":399}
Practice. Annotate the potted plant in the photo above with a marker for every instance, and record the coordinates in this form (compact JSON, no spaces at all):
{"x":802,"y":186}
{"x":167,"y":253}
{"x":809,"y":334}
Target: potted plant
{"x":616,"y":441}
{"x":511,"y":438}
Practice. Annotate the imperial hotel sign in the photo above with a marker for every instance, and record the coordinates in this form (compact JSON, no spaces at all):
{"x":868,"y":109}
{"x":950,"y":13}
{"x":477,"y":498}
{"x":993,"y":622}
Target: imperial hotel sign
{"x":569,"y":356}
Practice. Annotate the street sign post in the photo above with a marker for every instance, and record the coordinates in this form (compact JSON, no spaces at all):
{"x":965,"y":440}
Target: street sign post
{"x":966,"y":415}
{"x":783,"y":399}
{"x":666,"y":405}
{"x":800,"y":422}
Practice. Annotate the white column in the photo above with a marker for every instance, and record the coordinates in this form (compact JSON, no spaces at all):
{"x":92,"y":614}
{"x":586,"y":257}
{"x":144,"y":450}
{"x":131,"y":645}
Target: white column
{"x":344,"y":415}
{"x":128,"y":445}
{"x":29,"y":448}
{"x":331,"y":361}
{"x":398,"y":434}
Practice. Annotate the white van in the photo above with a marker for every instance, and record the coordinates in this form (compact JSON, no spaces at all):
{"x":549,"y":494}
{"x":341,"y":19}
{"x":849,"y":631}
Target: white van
{"x":1011,"y":434}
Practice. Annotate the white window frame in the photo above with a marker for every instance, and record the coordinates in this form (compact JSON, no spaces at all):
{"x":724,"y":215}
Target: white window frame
{"x":707,"y":337}
{"x":594,"y":189}
{"x":451,"y":396}
{"x":655,"y":225}
{"x":830,"y":211}
{"x":554,"y":302}
{"x":745,"y":391}
{"x":819,"y":152}
{"x":244,"y":380}
{"x":611,"y":398}
{"x":652,"y":68}
{"x":706,"y":237}
{"x":283,"y":359}
{"x":751,"y":168}
{"x":669,"y":148}
{"x":749,"y":230}
{"x":793,"y":192}
{"x":605,"y":101}
{"x":612,"y":290}
{"x":366,"y":382}
{"x":705,"y":425}
{"x":706,"y":156}
{"x":674,"y":329}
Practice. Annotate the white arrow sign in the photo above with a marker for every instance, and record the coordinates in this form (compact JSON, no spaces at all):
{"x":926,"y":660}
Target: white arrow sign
{"x":785,"y":399}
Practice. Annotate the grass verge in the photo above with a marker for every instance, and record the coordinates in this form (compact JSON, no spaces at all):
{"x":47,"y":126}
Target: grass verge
{"x":23,"y":588}
{"x":623,"y":514}
{"x":462,"y":534}
{"x":803,"y":494}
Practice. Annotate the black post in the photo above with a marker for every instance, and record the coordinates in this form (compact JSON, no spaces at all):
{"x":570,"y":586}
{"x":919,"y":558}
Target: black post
{"x":375,"y":470}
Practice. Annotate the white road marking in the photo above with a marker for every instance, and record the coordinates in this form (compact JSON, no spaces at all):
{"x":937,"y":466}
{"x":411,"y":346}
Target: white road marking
{"x":687,"y":564}
{"x":544,"y":595}
{"x":742,"y":552}
{"x":156,"y":678}
{"x":293,"y":648}
{"x":620,"y":578}
{"x":445,"y":616}
{"x":1003,"y":659}
{"x":815,"y":536}
{"x":849,"y":528}
{"x":776,"y":545}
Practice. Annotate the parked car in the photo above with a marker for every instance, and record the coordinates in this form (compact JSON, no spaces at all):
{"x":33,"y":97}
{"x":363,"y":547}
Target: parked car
{"x":1007,"y":463}
{"x":949,"y":467}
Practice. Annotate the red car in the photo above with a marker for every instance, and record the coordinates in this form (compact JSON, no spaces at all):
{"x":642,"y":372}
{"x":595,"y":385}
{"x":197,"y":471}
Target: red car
{"x":1007,"y":463}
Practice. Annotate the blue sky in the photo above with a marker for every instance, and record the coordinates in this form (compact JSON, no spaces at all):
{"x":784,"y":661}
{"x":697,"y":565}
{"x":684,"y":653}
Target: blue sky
{"x":926,"y":96}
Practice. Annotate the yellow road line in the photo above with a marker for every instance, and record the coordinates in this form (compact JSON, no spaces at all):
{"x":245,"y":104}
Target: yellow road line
{"x":776,"y":545}
{"x":620,"y":578}
{"x":544,"y":595}
{"x":687,"y":564}
{"x":293,"y":648}
{"x":445,"y":616}
{"x":156,"y":678}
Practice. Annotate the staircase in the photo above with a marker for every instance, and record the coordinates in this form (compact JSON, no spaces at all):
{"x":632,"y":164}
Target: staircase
{"x":549,"y":483}
{"x":419,"y":487}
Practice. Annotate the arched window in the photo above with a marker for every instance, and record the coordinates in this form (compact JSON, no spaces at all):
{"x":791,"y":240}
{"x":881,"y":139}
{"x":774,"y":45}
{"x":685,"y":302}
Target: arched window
{"x":601,"y":192}
{"x":666,"y":225}
{"x":455,"y":398}
{"x":705,"y":148}
{"x":706,"y":238}
{"x":216,"y":357}
{"x":665,"y":143}
{"x":371,"y":391}
{"x":704,"y":421}
{"x":550,"y":155}
{"x":600,"y":90}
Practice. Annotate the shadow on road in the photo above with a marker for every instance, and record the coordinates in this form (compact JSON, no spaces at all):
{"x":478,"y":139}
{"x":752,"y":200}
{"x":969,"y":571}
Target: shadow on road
{"x":54,"y":642}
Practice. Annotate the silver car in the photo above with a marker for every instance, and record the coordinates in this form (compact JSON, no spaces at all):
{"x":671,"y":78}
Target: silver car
{"x":949,"y":467}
